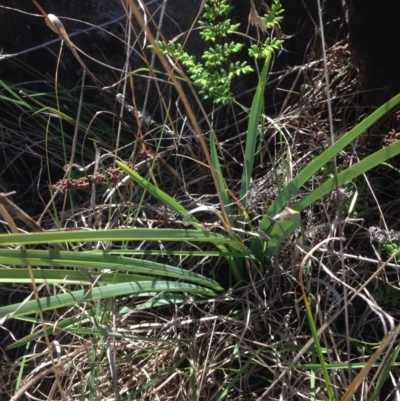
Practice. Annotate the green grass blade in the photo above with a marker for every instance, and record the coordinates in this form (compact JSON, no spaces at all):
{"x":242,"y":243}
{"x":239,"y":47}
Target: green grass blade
{"x":314,"y":166}
{"x":327,"y":187}
{"x":50,"y":328}
{"x":349,"y":174}
{"x":144,"y":288}
{"x":252,"y":132}
{"x":88,"y":260}
{"x":128,"y":234}
{"x":165,"y":252}
{"x":53,"y":277}
{"x":17,"y":98}
{"x":174,"y":205}
{"x":234,"y":263}
{"x":220,"y":180}
{"x":156,"y":192}
{"x":328,"y":383}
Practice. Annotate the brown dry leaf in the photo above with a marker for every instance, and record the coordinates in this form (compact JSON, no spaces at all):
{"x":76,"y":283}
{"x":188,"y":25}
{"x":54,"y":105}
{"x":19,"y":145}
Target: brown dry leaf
{"x":255,"y":19}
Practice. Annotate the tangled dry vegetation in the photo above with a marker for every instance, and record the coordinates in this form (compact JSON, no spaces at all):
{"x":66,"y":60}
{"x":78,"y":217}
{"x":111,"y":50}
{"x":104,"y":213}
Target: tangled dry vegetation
{"x":252,"y":342}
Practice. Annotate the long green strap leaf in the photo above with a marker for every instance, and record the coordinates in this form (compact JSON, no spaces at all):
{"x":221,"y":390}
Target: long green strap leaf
{"x":327,"y":187}
{"x":144,"y":288}
{"x":252,"y":132}
{"x":128,"y":234}
{"x":52,"y":276}
{"x":156,"y":192}
{"x":88,"y":260}
{"x":349,"y":174}
{"x":220,"y":178}
{"x":313,"y":167}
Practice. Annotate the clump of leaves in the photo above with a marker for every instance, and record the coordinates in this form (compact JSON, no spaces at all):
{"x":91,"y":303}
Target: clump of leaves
{"x":392,"y":247}
{"x":214,"y":74}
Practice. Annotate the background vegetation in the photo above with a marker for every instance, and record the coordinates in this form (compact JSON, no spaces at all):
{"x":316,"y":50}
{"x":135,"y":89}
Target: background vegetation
{"x":184,"y":254}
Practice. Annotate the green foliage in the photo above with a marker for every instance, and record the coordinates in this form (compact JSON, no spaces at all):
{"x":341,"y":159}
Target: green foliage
{"x":215,"y":73}
{"x":388,"y":295}
{"x":92,"y":276}
{"x":262,"y":51}
{"x":392,"y":247}
{"x":275,"y":16}
{"x":274,"y":227}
